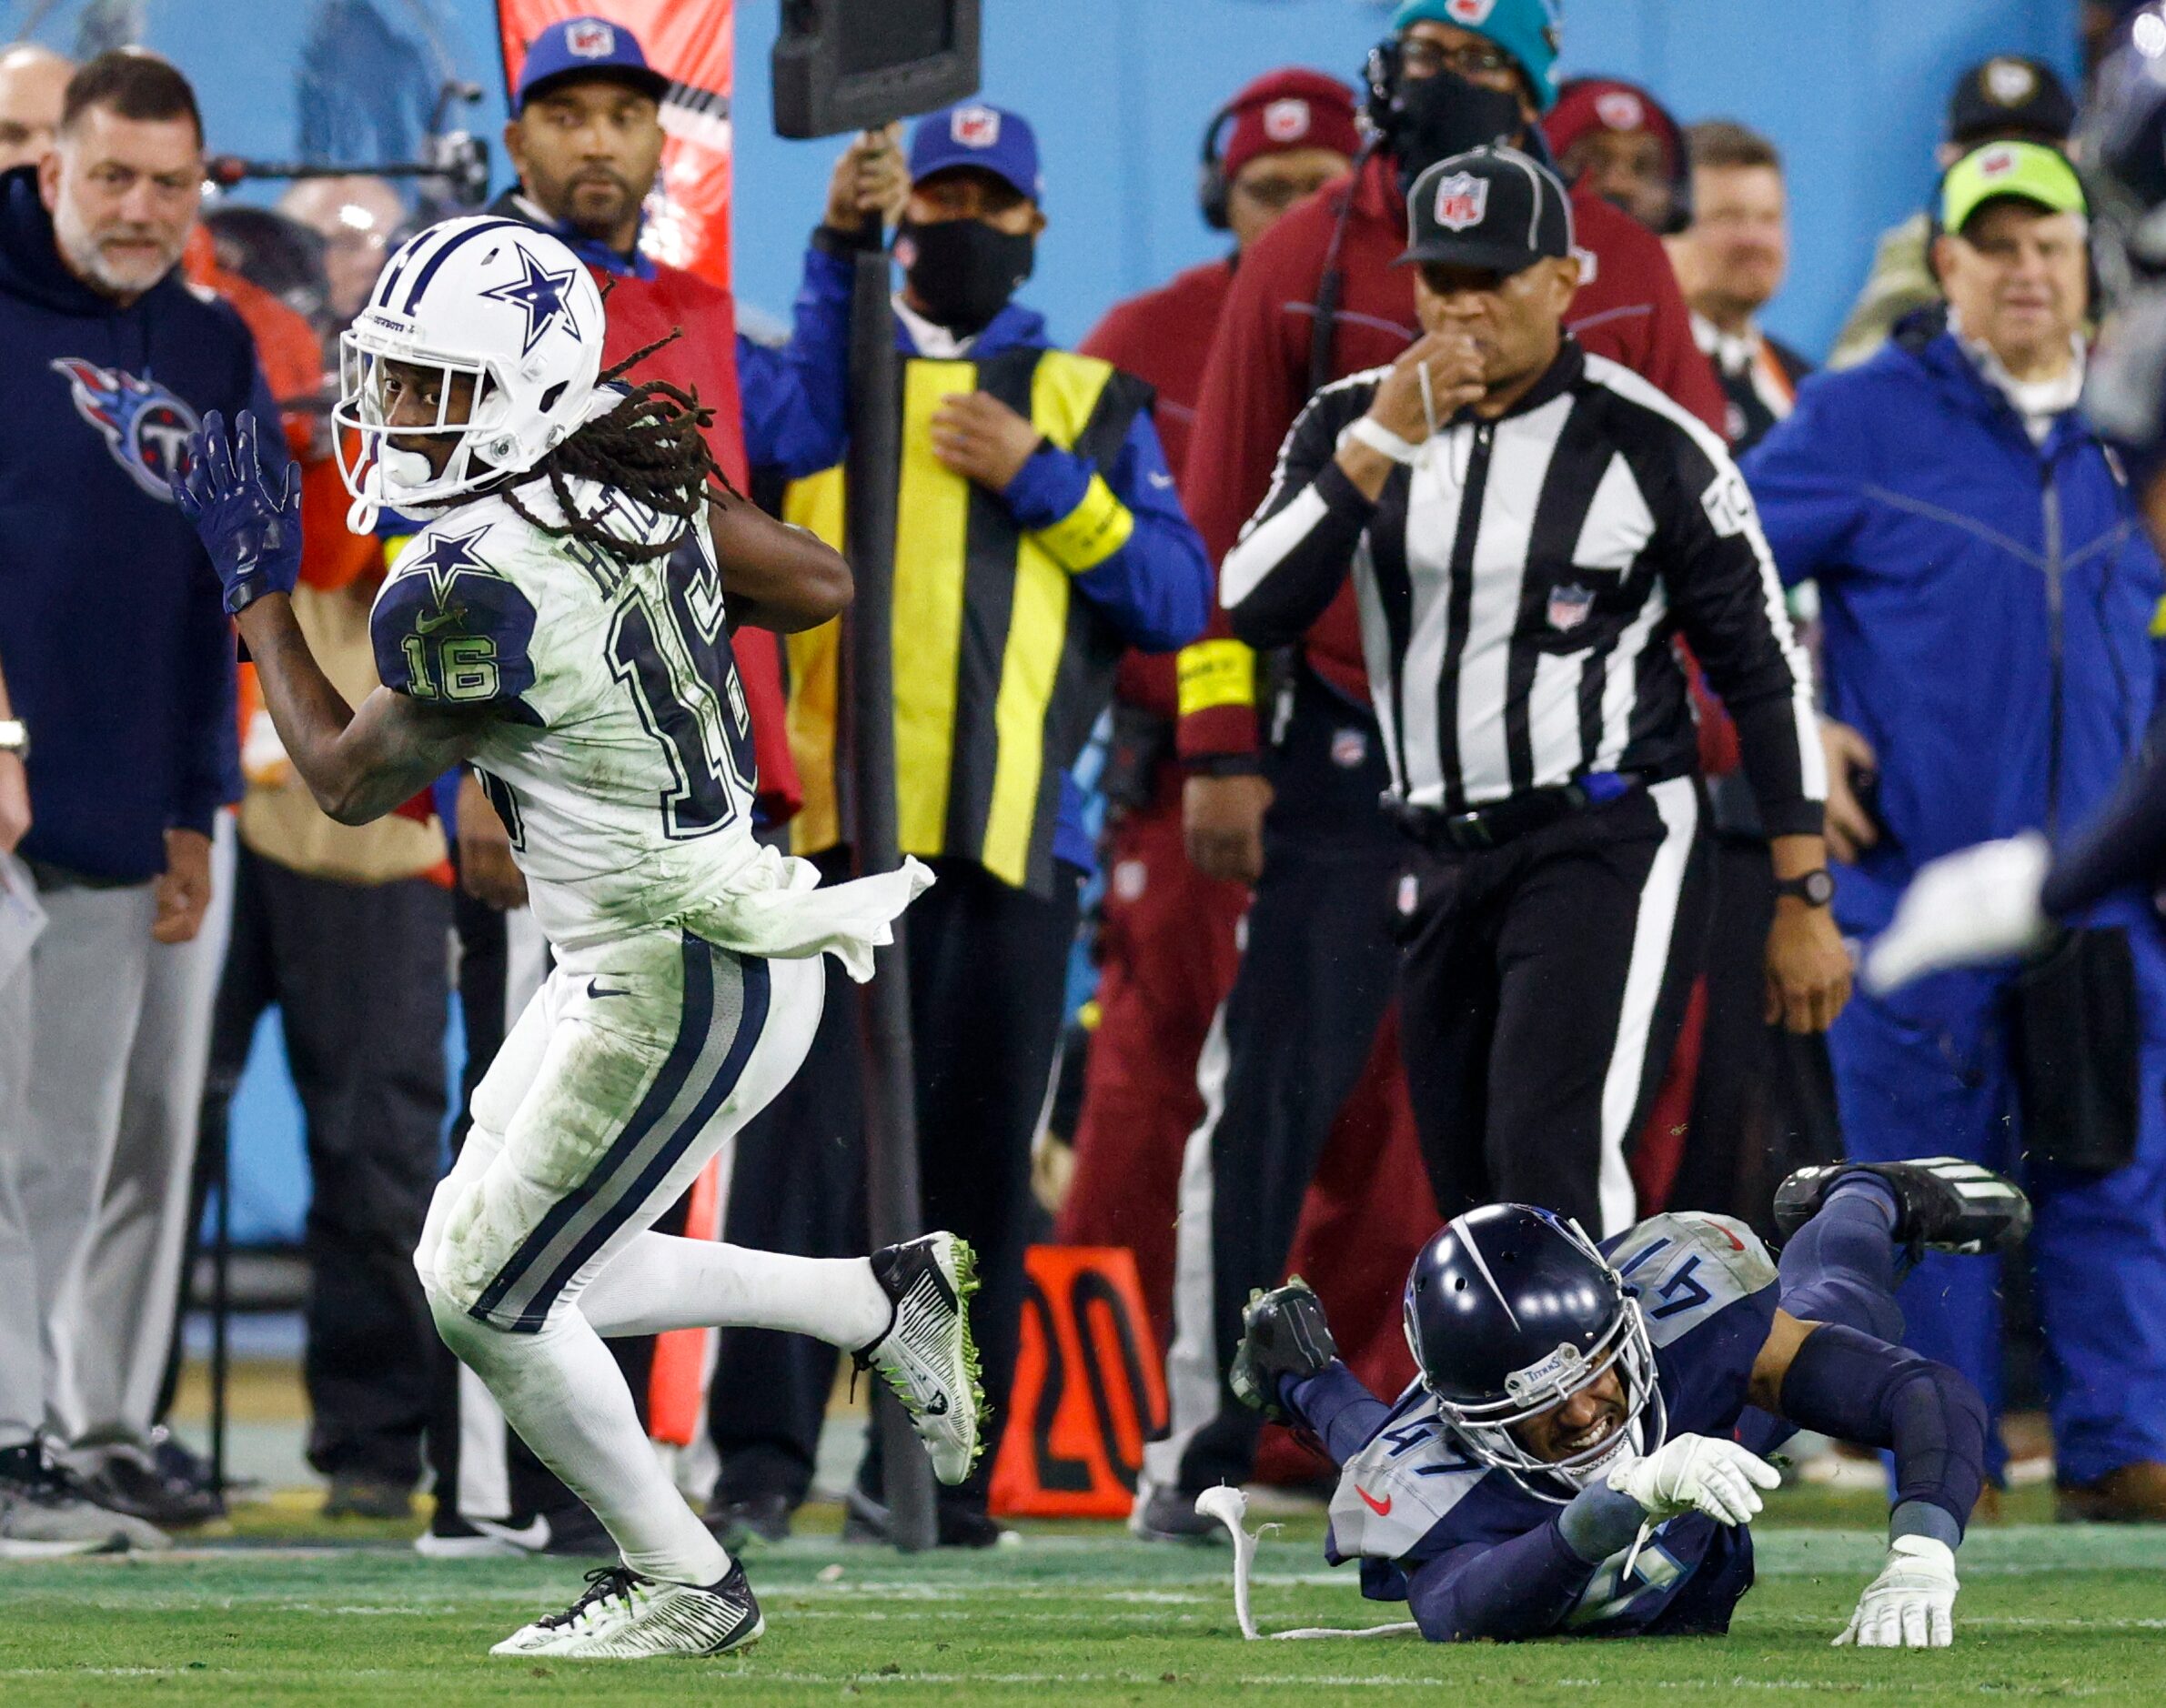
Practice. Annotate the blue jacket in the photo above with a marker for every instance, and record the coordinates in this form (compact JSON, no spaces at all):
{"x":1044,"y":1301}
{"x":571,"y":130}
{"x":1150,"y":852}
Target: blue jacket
{"x":1156,"y":588}
{"x":118,"y":653}
{"x":1970,"y":584}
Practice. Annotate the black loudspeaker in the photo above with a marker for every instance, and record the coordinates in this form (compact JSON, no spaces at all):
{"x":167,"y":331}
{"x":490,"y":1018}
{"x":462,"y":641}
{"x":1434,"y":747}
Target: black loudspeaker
{"x":856,"y":64}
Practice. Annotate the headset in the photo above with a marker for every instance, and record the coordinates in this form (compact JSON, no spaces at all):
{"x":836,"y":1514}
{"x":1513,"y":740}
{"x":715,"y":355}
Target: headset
{"x":1380,"y":73}
{"x":1214,"y":193}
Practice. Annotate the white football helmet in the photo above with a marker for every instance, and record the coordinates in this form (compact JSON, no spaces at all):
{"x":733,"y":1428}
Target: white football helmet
{"x":506,"y":307}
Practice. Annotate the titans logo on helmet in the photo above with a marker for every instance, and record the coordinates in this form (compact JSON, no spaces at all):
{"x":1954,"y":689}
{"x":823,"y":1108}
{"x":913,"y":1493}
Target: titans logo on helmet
{"x":145,"y":426}
{"x":539,"y":292}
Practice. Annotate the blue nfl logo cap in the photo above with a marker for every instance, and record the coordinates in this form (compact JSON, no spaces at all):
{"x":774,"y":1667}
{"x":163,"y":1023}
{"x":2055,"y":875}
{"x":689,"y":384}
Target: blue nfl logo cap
{"x":586,"y":47}
{"x":1488,"y":207}
{"x":991,"y":138}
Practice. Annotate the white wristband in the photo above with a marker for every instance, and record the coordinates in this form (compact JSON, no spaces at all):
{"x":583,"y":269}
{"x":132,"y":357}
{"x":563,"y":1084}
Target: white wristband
{"x":1373,"y":433}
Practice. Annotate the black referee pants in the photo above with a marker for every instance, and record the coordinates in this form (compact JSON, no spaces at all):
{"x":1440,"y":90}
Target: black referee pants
{"x":1316,"y":980}
{"x":1542,"y":989}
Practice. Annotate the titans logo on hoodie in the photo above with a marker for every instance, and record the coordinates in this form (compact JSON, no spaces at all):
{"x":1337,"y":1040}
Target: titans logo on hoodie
{"x":147,"y":428}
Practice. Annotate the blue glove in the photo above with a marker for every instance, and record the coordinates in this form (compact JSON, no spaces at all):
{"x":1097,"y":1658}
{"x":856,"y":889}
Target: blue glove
{"x":251,"y":529}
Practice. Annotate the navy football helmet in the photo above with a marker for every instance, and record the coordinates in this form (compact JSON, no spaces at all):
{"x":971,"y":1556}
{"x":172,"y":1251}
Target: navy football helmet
{"x":1511,"y":1310}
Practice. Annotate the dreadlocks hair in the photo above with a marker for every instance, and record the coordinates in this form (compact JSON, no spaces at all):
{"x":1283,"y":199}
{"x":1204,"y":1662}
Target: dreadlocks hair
{"x":652,"y":447}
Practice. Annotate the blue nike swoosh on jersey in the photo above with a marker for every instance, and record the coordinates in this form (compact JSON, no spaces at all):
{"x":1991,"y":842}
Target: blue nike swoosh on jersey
{"x":594,"y":989}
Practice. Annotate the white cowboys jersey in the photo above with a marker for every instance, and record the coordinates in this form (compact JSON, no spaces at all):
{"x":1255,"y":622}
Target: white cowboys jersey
{"x":620,"y":756}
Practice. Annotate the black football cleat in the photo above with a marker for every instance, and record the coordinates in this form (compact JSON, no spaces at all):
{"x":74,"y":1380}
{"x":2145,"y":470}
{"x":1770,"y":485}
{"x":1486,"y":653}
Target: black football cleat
{"x":1942,"y":1203}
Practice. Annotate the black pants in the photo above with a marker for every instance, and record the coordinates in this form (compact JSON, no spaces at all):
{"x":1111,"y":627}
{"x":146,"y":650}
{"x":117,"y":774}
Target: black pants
{"x":1315,"y":979}
{"x":798,"y":1185}
{"x":357,"y":973}
{"x":988,"y":979}
{"x":1543,"y":987}
{"x":1764,"y":1100}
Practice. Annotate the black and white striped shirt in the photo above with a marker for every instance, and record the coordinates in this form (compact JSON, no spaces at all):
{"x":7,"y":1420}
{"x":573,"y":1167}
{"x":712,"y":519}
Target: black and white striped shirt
{"x":1519,"y":588}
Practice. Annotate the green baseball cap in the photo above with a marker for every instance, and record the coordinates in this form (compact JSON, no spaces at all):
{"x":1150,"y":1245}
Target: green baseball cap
{"x":2030,"y":171}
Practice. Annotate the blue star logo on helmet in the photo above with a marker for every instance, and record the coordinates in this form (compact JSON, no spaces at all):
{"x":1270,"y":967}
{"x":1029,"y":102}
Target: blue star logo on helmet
{"x":539,"y":292}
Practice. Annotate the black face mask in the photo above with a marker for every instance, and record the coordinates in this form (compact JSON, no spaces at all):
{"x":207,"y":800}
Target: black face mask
{"x":962,"y":271}
{"x":1437,"y":116}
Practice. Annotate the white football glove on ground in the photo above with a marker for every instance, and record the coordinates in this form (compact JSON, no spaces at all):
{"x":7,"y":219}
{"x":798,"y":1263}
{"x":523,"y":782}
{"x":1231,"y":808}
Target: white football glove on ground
{"x":1911,"y":1604}
{"x":1697,"y":1474}
{"x":1963,"y":910}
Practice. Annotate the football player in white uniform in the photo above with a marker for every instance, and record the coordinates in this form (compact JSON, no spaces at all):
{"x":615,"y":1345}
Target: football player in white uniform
{"x":562,"y":625}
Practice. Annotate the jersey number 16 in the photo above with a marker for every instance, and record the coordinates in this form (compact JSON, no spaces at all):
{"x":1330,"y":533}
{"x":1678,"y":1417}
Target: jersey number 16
{"x":673,"y":653}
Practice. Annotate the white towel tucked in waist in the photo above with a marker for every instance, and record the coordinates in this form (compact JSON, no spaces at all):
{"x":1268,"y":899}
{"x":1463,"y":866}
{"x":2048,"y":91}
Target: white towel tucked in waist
{"x":775,"y":908}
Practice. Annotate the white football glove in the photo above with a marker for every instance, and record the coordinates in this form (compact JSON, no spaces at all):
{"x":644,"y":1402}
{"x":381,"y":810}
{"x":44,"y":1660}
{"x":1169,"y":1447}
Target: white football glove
{"x":1697,"y":1474}
{"x":1974,"y":906}
{"x":1911,"y":1604}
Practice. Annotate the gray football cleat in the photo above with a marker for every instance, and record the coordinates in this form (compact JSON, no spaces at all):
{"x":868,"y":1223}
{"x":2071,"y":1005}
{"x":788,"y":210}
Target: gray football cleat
{"x":47,"y":1513}
{"x":1168,"y":1515}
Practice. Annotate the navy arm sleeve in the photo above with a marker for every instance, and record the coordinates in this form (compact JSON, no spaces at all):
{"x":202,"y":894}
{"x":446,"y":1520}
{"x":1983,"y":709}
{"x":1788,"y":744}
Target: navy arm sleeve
{"x":1337,"y":1408}
{"x":1295,"y":551}
{"x":1123,"y":537}
{"x":796,"y":399}
{"x":1849,"y":1385}
{"x":1502,"y":1591}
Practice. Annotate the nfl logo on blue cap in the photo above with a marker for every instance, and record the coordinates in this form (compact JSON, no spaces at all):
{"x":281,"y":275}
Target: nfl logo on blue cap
{"x":589,"y":38}
{"x":975,"y":126}
{"x":977,"y":134}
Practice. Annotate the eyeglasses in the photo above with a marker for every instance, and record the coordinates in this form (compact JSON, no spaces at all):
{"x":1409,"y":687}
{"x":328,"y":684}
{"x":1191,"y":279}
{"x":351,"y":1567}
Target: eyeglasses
{"x":1425,"y":58}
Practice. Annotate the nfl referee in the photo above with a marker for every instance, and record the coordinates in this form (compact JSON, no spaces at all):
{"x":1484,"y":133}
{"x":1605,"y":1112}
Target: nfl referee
{"x":1528,"y":527}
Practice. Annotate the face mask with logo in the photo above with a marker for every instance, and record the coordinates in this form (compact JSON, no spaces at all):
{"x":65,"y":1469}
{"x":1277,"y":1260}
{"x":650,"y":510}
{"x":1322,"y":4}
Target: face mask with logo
{"x":961,"y":271}
{"x":1437,"y":116}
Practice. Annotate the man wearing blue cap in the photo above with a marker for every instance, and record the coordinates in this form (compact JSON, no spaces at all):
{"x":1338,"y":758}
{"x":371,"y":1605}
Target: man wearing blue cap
{"x":1038,"y":537}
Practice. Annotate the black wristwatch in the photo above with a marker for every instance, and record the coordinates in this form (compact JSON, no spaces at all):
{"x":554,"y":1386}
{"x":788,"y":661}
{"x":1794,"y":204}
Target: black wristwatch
{"x":1814,"y":889}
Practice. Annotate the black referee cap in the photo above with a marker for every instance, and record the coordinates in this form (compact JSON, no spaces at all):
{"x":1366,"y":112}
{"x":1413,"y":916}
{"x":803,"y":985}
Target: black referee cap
{"x":1489,"y":208}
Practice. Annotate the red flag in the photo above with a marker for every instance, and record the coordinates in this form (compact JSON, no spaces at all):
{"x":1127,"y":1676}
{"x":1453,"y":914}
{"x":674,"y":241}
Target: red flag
{"x":690,"y":42}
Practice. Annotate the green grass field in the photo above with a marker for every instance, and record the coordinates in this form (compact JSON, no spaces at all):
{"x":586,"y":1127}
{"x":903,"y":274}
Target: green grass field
{"x":1077,"y":1613}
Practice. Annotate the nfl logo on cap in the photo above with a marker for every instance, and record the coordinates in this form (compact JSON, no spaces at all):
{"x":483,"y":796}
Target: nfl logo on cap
{"x":975,"y":126}
{"x":1461,"y":200}
{"x":1470,"y":11}
{"x":1621,"y":110}
{"x":1997,"y":163}
{"x":1286,"y":120}
{"x":590,"y":38}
